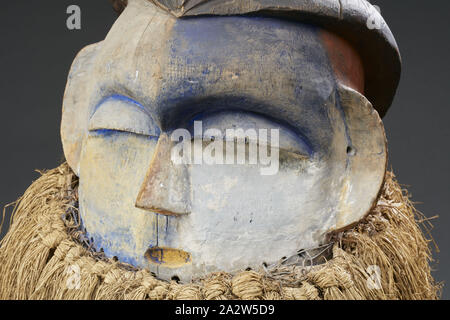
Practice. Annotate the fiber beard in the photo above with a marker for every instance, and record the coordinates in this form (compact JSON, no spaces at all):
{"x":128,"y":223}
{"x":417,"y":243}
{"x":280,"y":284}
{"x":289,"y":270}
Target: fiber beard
{"x":45,"y":256}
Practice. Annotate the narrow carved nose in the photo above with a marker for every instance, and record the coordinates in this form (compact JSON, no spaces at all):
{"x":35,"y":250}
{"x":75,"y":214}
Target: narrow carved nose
{"x":166,"y":189}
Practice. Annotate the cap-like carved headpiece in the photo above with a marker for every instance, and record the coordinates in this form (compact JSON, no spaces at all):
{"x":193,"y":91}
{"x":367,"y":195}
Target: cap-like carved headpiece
{"x":357,"y":21}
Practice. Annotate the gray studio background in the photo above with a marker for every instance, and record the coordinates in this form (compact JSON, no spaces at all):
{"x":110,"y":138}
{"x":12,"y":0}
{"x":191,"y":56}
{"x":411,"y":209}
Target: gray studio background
{"x":37,"y":49}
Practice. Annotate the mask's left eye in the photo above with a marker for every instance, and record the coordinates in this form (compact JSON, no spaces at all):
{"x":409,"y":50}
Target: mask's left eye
{"x":122,"y":114}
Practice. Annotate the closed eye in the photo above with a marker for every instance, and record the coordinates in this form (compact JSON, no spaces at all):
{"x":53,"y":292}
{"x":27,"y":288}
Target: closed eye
{"x":118,"y":113}
{"x":251,"y":128}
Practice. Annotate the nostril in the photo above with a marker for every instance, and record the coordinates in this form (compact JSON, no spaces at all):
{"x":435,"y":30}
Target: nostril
{"x":168,"y":257}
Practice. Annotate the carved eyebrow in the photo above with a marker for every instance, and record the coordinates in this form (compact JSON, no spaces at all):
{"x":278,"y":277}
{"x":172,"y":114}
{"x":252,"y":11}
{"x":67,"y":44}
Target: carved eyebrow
{"x":119,"y":97}
{"x":119,"y":113}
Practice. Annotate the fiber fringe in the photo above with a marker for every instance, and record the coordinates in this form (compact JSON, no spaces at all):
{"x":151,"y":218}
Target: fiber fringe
{"x":43,"y":243}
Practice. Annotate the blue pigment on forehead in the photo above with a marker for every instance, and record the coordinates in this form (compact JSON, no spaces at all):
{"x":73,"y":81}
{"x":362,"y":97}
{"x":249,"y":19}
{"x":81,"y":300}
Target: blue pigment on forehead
{"x":291,"y":77}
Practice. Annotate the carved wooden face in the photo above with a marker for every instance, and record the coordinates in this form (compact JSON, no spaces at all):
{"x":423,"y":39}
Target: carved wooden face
{"x":154,"y":75}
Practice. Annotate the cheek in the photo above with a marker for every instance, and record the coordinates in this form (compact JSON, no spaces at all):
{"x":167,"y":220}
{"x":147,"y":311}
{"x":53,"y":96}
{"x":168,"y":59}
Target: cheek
{"x":112,"y":169}
{"x":249,"y":216}
{"x":115,"y":166}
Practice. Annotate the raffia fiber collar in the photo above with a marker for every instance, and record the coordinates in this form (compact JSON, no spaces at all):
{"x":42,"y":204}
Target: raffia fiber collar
{"x":44,"y":242}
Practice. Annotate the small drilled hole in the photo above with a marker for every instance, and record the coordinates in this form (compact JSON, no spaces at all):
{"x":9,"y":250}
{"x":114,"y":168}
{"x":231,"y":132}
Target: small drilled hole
{"x":351,"y":151}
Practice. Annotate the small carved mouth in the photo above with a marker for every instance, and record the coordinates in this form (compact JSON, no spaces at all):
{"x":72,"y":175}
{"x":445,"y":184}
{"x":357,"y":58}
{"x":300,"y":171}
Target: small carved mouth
{"x":168,"y":257}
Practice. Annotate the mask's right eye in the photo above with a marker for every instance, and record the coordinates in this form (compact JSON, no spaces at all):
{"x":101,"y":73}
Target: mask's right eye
{"x":118,"y":113}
